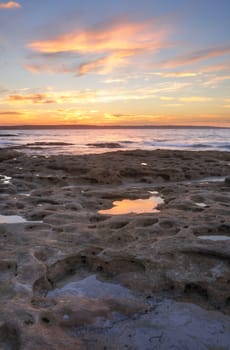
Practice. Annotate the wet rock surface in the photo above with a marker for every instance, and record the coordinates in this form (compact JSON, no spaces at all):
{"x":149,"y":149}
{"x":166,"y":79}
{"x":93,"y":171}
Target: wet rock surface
{"x":105,"y":145}
{"x":71,"y":278}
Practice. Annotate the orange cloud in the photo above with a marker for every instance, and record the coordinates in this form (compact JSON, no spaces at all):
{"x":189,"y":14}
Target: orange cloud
{"x":52,"y":97}
{"x":167,"y":98}
{"x":116,"y":37}
{"x":107,"y":64}
{"x":175,"y":74}
{"x":31,"y":98}
{"x":91,"y":96}
{"x":9,"y":113}
{"x":105,"y":47}
{"x":174,"y":105}
{"x":195,"y":99}
{"x":10,"y":5}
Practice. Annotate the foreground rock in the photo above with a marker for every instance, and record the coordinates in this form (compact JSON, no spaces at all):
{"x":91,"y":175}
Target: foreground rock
{"x":71,"y":278}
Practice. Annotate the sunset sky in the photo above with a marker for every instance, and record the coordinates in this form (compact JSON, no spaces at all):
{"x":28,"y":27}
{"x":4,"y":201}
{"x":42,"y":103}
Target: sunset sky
{"x":123,"y":62}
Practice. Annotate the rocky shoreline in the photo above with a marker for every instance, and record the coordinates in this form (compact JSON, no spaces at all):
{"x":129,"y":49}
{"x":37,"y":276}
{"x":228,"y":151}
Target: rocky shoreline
{"x":72,"y":278}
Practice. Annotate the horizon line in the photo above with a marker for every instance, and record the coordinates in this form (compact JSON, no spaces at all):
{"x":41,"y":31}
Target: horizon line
{"x":88,"y":126}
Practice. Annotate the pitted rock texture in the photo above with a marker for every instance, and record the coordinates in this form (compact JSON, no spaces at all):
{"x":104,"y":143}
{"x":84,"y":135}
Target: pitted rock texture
{"x":156,"y":272}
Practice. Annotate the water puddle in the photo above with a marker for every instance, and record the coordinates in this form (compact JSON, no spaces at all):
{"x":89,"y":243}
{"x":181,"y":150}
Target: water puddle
{"x":153,"y":192}
{"x":91,"y":287}
{"x":15,"y":219}
{"x":201,"y":205}
{"x":170,"y":325}
{"x":11,"y":219}
{"x":135,"y":206}
{"x":215,"y":238}
{"x":5,"y":179}
{"x":25,"y":194}
{"x":212,"y":179}
{"x":207,"y":180}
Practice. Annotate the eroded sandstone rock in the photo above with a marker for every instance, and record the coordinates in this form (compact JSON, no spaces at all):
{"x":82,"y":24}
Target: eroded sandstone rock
{"x":148,"y":265}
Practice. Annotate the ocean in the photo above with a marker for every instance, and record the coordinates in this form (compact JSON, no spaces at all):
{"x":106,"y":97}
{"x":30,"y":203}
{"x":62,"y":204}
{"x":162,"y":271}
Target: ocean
{"x":90,"y":140}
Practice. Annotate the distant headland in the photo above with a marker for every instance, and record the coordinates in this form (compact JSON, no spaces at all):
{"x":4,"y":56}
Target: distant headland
{"x":74,"y":126}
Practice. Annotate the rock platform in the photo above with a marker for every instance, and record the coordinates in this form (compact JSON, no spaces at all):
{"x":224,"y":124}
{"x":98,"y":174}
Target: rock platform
{"x":71,"y":278}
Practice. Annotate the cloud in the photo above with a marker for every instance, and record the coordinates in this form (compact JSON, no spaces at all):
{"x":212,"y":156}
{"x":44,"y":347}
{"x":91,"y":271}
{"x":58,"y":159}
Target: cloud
{"x":49,"y":68}
{"x":10,"y":5}
{"x":116,"y":36}
{"x":167,"y":98}
{"x":197,"y":56}
{"x":31,"y":98}
{"x":98,"y":65}
{"x":103,"y":65}
{"x":175,"y":105}
{"x":195,"y":99}
{"x":227,"y":101}
{"x":6,"y":113}
{"x":107,"y":64}
{"x":213,"y":81}
{"x":3,"y":90}
{"x":216,"y":68}
{"x":175,"y":74}
{"x":51,"y":97}
{"x":114,"y":80}
{"x":103,"y":48}
{"x":87,"y":96}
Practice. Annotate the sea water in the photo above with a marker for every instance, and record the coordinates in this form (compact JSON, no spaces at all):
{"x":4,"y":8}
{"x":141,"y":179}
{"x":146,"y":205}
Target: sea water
{"x":79,"y":141}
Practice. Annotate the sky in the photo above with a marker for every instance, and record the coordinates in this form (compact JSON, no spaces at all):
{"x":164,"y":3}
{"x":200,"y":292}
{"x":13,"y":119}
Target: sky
{"x":123,"y":62}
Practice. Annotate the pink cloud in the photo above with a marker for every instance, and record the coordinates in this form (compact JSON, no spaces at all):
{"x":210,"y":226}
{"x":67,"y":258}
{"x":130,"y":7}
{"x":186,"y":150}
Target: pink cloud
{"x":48,"y":68}
{"x":119,"y":36}
{"x":10,"y":5}
{"x":197,"y":56}
{"x":215,"y":80}
{"x":216,"y":68}
{"x":103,"y":48}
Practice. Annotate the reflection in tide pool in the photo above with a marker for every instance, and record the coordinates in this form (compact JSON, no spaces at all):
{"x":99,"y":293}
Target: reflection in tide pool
{"x":15,"y":219}
{"x":137,"y":206}
{"x":5,"y":179}
{"x":91,"y":287}
{"x":11,"y":219}
{"x":215,"y":238}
